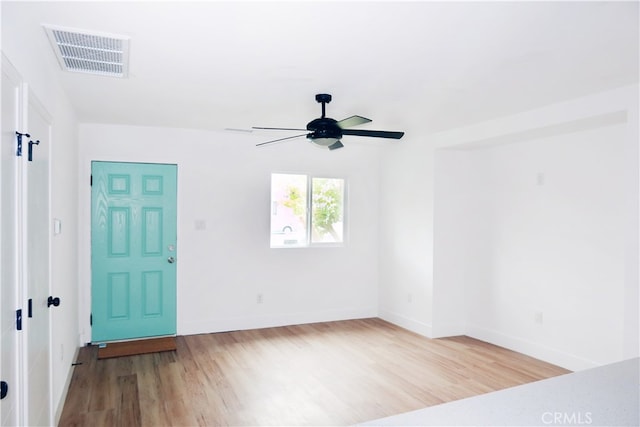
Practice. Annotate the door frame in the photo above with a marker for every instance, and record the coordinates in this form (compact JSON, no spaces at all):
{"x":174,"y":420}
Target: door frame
{"x":16,"y":354}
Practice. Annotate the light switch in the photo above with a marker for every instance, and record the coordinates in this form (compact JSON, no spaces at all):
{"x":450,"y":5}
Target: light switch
{"x":57,"y":226}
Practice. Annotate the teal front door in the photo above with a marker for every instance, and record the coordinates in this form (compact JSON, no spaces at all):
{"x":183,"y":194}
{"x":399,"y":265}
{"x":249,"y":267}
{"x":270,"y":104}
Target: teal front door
{"x":133,"y":250}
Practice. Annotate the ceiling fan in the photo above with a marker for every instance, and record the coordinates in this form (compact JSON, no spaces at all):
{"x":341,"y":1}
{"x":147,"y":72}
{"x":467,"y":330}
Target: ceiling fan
{"x":327,"y":132}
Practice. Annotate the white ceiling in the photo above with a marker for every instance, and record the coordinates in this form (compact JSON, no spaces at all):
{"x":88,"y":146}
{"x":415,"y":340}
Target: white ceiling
{"x":413,"y":66}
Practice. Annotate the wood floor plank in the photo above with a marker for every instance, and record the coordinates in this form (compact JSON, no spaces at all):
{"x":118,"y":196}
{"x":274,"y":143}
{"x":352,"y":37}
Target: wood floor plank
{"x":128,"y":408}
{"x":149,"y":394}
{"x":333,"y":373}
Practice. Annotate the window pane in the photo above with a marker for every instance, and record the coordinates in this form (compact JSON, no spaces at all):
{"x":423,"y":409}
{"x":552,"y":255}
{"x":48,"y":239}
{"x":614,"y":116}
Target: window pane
{"x":288,"y":210}
{"x":327,"y":210}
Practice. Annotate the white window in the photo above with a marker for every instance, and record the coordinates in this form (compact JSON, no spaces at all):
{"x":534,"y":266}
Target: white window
{"x":299,"y":220}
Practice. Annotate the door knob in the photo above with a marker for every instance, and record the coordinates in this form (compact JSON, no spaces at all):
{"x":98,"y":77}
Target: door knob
{"x":53,"y":301}
{"x":171,"y":260}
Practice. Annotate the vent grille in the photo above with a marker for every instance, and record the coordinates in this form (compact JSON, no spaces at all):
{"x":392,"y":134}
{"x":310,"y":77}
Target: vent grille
{"x":92,"y":53}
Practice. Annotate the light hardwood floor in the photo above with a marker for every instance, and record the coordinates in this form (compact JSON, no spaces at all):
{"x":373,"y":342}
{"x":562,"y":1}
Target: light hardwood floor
{"x":335,"y":373}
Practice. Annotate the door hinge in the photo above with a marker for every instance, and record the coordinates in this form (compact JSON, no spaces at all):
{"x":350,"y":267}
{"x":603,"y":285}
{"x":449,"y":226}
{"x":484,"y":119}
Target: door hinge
{"x":19,"y":149}
{"x":91,"y":180}
{"x":30,"y":152}
{"x":19,"y":319}
{"x":30,"y":308}
{"x":91,"y":320}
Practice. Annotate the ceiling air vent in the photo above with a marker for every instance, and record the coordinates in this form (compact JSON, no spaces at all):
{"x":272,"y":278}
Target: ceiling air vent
{"x":93,"y":53}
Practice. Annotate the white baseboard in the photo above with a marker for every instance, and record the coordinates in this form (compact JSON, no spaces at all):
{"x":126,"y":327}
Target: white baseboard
{"x":270,"y":321}
{"x":413,"y":325}
{"x":530,"y":348}
{"x":447,"y":330}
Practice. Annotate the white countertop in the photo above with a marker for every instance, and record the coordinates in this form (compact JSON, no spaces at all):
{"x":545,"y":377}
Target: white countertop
{"x":604,"y":396}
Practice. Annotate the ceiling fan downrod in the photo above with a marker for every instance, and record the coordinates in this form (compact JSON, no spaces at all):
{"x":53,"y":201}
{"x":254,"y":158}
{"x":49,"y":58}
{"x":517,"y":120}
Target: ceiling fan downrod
{"x":323,"y":98}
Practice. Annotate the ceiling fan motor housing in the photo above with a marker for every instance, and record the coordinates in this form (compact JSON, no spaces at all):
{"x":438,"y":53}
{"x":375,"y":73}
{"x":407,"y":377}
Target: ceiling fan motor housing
{"x":324,"y":128}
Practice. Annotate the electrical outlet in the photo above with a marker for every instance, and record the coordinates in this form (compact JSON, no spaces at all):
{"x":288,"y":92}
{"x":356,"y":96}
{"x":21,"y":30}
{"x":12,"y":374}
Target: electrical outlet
{"x":538,"y":317}
{"x":259,"y":299}
{"x":409,"y":298}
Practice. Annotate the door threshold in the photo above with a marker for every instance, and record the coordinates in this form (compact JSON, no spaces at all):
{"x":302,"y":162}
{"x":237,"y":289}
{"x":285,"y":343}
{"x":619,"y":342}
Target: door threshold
{"x":135,"y":347}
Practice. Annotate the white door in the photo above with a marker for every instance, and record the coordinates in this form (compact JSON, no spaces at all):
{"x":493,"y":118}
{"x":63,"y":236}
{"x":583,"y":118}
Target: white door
{"x":36,"y":268}
{"x":10,"y":367}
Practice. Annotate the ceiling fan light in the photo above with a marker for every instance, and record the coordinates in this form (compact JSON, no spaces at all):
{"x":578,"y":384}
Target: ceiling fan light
{"x":324,"y":142}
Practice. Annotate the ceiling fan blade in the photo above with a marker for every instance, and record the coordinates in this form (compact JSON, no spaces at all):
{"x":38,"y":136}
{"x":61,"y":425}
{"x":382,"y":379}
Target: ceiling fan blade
{"x":336,"y":145}
{"x":373,"y":133}
{"x":256,"y":127}
{"x":280,"y":139}
{"x":352,"y":121}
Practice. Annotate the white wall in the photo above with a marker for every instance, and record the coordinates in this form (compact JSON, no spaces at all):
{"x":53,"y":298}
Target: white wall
{"x":224,"y":180}
{"x":64,"y":252}
{"x":530,"y":215}
{"x":406,"y":244}
{"x":541,"y":232}
{"x":536,"y":232}
{"x":459,"y":241}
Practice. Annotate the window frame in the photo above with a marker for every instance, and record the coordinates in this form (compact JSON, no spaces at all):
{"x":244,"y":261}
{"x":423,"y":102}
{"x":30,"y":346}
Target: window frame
{"x":309,"y":212}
